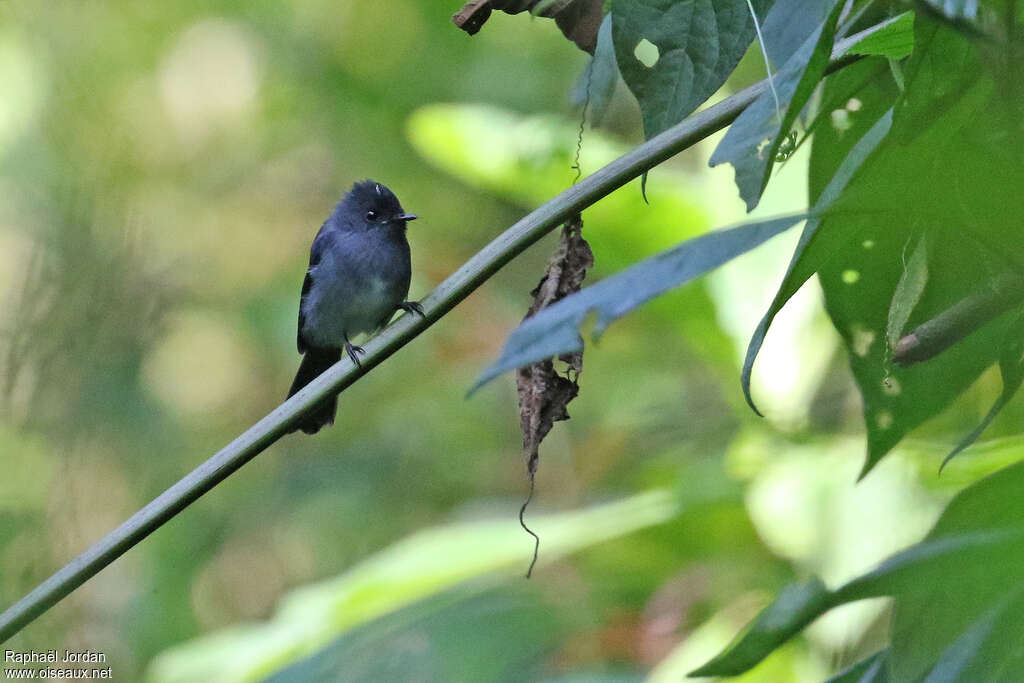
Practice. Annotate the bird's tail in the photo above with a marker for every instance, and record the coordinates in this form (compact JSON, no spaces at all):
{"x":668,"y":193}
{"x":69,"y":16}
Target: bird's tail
{"x":314,"y":362}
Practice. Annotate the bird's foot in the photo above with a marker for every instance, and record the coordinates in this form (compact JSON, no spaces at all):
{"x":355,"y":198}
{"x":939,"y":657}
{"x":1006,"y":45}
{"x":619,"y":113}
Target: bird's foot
{"x":412,"y":307}
{"x":352,"y":350}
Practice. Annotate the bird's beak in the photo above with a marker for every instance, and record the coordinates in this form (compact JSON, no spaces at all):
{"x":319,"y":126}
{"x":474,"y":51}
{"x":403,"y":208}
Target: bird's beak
{"x":406,"y":217}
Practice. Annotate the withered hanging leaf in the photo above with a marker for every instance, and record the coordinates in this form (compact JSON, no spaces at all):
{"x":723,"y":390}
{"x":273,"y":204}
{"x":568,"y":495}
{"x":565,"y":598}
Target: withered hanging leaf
{"x":544,"y":393}
{"x":579,"y":20}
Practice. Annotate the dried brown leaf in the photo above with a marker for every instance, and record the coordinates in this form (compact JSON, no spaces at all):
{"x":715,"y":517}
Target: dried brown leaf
{"x":579,"y":20}
{"x":544,"y":393}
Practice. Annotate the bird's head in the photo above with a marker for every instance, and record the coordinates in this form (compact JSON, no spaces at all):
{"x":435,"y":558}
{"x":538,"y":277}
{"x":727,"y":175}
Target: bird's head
{"x":370,"y":204}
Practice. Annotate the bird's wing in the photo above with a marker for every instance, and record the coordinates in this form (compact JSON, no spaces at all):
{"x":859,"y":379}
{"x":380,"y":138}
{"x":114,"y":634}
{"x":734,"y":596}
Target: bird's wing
{"x":315,"y":254}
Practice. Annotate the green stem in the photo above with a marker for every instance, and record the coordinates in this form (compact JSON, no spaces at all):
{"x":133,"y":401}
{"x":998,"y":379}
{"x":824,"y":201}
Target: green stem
{"x":931,"y":338}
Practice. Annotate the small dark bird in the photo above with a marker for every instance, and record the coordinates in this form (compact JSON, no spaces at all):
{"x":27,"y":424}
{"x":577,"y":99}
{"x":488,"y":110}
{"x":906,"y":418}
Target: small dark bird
{"x":358,"y":277}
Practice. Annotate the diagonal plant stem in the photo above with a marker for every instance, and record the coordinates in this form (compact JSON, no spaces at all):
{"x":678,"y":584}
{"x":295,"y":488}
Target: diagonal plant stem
{"x":930,"y":338}
{"x":448,"y":294}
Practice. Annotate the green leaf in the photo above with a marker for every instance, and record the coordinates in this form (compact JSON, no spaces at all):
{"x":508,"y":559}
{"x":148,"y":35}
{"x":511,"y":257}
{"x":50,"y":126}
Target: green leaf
{"x":933,"y":175}
{"x":977,"y":654}
{"x":895,"y":40}
{"x":859,"y":283}
{"x":788,"y":664}
{"x":797,"y":606}
{"x":698,"y":44}
{"x":812,"y":250}
{"x":950,"y":624}
{"x":853,"y":100}
{"x":800,"y":604}
{"x":1011,"y":367}
{"x":870,"y":670}
{"x":556,"y":329}
{"x":602,"y":74}
{"x":752,"y":143}
{"x":928,"y":561}
{"x":952,"y":592}
{"x":908,"y":292}
{"x":942,"y":70}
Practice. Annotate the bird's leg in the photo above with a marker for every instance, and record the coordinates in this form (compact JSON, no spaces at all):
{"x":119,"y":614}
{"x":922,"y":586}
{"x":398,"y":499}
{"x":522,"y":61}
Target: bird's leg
{"x":351,"y":349}
{"x":412,"y":307}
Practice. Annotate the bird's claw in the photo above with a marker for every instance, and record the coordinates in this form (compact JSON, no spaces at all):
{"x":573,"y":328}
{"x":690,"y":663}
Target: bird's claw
{"x":352,"y":350}
{"x":412,"y":307}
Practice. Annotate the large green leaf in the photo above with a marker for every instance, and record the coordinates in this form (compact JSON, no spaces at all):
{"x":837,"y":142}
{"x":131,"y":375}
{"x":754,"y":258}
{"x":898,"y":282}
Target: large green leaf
{"x":956,"y":594}
{"x":753,"y":140}
{"x":962,"y":624}
{"x":933,"y":177}
{"x":859,"y":283}
{"x":853,"y":100}
{"x":796,"y":606}
{"x":693,"y":46}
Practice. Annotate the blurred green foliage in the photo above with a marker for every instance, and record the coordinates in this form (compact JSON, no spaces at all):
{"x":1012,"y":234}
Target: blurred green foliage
{"x":421,"y":568}
{"x":163,"y":168}
{"x":955,"y":596}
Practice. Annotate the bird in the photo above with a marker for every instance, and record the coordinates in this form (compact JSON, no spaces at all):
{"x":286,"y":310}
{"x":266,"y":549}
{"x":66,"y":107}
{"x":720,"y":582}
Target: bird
{"x":359,"y":271}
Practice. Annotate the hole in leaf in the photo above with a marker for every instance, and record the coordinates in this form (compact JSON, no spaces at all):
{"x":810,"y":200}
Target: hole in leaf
{"x":868,"y":244}
{"x":850,"y":277}
{"x":862,"y":340}
{"x":841,"y":120}
{"x":647,"y":53}
{"x":853,"y":105}
{"x":891,"y":386}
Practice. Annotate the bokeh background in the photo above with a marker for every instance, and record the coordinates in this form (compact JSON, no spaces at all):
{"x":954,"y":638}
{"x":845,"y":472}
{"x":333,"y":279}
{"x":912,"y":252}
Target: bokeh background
{"x":163,"y":169}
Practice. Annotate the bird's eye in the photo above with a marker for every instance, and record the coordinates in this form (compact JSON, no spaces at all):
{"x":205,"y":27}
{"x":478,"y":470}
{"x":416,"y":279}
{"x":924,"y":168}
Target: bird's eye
{"x":371,"y":215}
